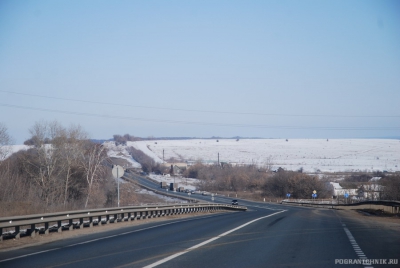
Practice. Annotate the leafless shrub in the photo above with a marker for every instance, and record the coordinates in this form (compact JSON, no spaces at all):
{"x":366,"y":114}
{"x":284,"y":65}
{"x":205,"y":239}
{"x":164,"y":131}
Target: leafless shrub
{"x":299,"y":185}
{"x":391,"y":190}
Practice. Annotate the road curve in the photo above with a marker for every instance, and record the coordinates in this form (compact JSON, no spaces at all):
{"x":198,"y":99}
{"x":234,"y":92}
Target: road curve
{"x":266,"y":235}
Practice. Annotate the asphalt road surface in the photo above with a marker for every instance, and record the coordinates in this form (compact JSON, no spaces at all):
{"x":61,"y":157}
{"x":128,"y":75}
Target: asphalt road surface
{"x":267,"y":235}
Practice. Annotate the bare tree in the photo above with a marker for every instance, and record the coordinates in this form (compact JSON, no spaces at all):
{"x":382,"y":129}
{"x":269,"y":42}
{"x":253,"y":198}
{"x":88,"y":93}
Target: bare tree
{"x":43,"y":163}
{"x":5,"y":141}
{"x":91,"y":161}
{"x":69,"y":143}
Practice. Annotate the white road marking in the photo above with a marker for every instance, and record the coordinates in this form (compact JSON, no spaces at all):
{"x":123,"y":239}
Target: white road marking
{"x":356,"y":247}
{"x":206,"y":242}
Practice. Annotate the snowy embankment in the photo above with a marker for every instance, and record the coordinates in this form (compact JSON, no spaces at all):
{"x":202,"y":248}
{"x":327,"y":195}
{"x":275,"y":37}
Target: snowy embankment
{"x":10,"y":149}
{"x":313,"y":155}
{"x":120,"y":152}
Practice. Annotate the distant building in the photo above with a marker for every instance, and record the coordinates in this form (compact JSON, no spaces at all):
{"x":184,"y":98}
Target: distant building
{"x":340,"y":191}
{"x":370,"y":191}
{"x":177,"y":168}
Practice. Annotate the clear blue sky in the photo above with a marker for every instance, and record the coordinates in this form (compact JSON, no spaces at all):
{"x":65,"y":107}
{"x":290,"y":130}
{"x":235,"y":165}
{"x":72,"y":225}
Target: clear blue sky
{"x":273,"y":69}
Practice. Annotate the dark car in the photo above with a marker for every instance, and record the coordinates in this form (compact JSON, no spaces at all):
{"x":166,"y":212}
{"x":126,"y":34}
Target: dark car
{"x":235,"y":202}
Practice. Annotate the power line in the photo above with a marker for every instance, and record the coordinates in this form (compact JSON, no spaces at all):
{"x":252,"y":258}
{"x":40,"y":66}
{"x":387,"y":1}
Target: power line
{"x":202,"y":111}
{"x":193,"y":123}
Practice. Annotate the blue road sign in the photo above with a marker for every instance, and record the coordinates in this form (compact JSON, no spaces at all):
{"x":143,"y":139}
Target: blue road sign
{"x":288,"y":195}
{"x":346,"y":195}
{"x":314,"y":195}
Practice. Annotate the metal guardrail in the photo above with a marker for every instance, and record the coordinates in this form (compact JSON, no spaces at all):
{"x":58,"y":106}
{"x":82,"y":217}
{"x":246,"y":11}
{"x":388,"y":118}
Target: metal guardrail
{"x":70,"y":220}
{"x":392,"y":206}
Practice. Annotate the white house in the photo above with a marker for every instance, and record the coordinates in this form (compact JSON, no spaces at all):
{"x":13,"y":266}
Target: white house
{"x":370,"y":191}
{"x":340,"y":191}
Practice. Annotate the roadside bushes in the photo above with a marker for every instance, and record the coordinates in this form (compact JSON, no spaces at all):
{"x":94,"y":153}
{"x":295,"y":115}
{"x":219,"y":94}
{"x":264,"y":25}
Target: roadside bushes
{"x":391,"y":190}
{"x":123,"y":139}
{"x":299,"y":185}
{"x":227,"y":177}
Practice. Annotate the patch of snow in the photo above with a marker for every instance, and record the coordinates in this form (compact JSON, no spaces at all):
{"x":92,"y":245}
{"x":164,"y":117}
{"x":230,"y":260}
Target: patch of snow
{"x":120,"y":152}
{"x":375,"y":179}
{"x":187,"y":183}
{"x":164,"y":197}
{"x":146,"y":148}
{"x":10,"y":149}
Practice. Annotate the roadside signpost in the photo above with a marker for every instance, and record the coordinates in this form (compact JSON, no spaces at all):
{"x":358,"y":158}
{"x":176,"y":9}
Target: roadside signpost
{"x":346,"y":195}
{"x":117,"y":173}
{"x":288,"y":195}
{"x":314,"y":194}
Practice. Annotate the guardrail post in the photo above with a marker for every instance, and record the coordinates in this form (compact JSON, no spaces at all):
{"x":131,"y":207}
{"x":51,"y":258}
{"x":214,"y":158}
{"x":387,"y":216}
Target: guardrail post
{"x":115,"y":218}
{"x":99,"y":223}
{"x":122,"y":216}
{"x":129,"y":216}
{"x":71,"y":224}
{"x":1,"y":234}
{"x":17,"y":232}
{"x":80,"y":223}
{"x":107,"y":219}
{"x":59,"y":226}
{"x":46,"y":228}
{"x":32,"y":230}
{"x":90,"y":222}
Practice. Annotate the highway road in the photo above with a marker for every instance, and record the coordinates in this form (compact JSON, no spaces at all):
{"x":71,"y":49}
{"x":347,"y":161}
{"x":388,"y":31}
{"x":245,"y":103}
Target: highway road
{"x":267,"y":235}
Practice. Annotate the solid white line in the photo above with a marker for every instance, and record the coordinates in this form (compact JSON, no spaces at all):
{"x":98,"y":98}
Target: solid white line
{"x":206,"y":242}
{"x":30,"y":254}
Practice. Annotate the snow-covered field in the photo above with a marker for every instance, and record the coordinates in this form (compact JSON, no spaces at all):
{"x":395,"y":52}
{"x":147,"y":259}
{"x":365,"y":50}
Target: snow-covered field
{"x":312,"y":155}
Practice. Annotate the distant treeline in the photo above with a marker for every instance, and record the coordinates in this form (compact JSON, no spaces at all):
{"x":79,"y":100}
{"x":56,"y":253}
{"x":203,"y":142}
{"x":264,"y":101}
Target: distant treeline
{"x":122,"y":139}
{"x":254,"y":179}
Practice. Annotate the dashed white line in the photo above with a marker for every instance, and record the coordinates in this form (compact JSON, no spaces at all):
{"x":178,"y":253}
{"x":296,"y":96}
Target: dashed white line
{"x":356,"y":247}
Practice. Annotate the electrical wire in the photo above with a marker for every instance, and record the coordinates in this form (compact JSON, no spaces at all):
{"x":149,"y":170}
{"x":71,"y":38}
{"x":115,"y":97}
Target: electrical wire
{"x":193,"y":123}
{"x":202,"y":111}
